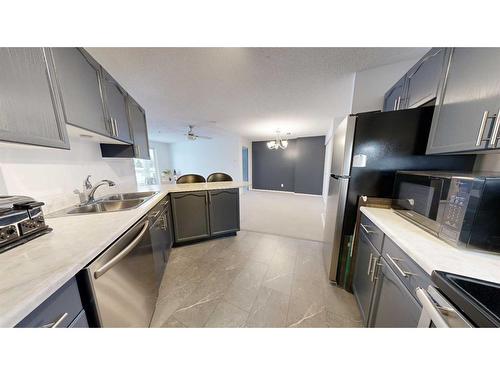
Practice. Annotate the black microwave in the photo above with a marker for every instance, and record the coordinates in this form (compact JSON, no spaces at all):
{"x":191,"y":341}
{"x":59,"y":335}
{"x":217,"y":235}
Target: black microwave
{"x":462,"y":209}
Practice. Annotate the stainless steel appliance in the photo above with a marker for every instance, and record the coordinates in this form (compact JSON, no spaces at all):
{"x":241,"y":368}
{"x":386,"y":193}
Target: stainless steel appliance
{"x":459,"y":301}
{"x":460,"y":208}
{"x":21,"y":220}
{"x":122,"y":280}
{"x":161,"y":235}
{"x":368,"y":149}
{"x":438,"y":312}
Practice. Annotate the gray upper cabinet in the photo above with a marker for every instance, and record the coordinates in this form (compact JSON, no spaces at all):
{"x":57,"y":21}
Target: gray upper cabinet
{"x":78,"y":76}
{"x":190,"y":216}
{"x":465,"y":118}
{"x":116,"y":105}
{"x":423,"y":79}
{"x":137,"y":119}
{"x":224,"y":207}
{"x":30,"y":110}
{"x":394,"y":98}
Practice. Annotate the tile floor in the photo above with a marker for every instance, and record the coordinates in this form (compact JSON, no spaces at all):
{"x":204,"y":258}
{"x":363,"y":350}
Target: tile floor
{"x":286,"y":214}
{"x":251,"y":280}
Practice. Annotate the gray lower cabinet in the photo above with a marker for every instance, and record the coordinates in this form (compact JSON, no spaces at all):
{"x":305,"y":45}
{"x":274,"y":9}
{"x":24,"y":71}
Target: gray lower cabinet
{"x":190,"y":216}
{"x":468,"y":104}
{"x":30,"y":109}
{"x":80,"y":321}
{"x":394,"y":98}
{"x":62,"y":309}
{"x":137,"y":119}
{"x":393,"y":306}
{"x":78,"y":77}
{"x":116,"y":106}
{"x":224,"y":208}
{"x":363,"y":281}
{"x":423,"y":78}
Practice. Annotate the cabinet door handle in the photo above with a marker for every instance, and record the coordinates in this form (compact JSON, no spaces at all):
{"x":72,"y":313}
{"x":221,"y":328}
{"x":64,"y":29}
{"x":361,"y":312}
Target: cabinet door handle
{"x":366,"y":229}
{"x":481,"y":128}
{"x":370,"y":264}
{"x":57,"y":323}
{"x":398,"y":268}
{"x":122,"y":254}
{"x":374,"y":269}
{"x":116,"y":127}
{"x":494,"y":134}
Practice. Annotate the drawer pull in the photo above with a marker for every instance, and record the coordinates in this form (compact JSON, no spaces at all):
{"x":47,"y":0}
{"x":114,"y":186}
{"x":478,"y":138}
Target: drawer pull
{"x":57,"y":323}
{"x":365,"y":228}
{"x":398,"y":268}
{"x":494,"y":134}
{"x":480,"y":139}
{"x":374,"y":269}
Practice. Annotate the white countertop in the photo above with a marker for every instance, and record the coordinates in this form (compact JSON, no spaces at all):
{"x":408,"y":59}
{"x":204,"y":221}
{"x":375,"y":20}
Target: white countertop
{"x":30,"y":273}
{"x":431,"y":253}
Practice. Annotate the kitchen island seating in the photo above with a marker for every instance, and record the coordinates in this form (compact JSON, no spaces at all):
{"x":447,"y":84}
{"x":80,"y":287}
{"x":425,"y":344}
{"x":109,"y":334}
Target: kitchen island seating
{"x":190,"y":178}
{"x":219,"y":177}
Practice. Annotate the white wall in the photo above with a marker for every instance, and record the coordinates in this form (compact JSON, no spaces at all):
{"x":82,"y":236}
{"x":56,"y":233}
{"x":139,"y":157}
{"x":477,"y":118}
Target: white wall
{"x":370,"y":85}
{"x":163,"y":155}
{"x":51,"y":175}
{"x":222,"y":153}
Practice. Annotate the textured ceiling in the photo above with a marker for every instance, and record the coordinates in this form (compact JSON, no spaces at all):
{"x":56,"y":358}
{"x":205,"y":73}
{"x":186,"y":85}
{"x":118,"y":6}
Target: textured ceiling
{"x":248,"y":91}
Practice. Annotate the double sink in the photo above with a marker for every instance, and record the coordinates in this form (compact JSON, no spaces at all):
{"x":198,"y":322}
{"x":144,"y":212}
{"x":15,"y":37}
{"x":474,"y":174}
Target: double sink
{"x":113,"y":202}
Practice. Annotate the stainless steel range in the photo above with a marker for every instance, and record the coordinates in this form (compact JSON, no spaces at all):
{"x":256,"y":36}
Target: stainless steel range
{"x":21,"y":220}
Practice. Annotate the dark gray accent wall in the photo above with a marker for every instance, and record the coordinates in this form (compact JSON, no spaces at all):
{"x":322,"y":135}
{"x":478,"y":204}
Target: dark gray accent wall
{"x":299,"y":167}
{"x":273,"y":168}
{"x":309,"y":165}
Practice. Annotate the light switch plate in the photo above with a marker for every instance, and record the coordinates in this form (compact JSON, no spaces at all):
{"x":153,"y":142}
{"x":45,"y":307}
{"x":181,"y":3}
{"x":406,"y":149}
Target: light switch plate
{"x":359,"y":161}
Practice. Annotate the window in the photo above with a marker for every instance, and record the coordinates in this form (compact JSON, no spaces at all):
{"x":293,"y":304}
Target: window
{"x":146,"y":171}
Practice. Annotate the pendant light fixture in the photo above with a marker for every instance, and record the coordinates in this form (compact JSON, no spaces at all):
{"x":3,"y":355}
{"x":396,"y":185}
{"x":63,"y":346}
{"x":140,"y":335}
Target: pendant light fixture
{"x":279,"y":142}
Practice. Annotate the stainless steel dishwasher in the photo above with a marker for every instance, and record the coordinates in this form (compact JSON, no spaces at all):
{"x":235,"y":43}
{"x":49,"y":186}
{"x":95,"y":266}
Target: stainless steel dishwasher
{"x":122,"y":280}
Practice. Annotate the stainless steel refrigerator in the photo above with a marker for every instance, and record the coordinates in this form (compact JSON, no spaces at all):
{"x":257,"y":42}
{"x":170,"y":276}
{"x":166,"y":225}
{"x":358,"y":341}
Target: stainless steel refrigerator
{"x":368,"y":149}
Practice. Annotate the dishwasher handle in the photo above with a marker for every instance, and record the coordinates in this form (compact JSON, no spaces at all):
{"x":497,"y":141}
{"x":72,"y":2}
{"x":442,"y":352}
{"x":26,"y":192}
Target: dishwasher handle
{"x":122,"y":254}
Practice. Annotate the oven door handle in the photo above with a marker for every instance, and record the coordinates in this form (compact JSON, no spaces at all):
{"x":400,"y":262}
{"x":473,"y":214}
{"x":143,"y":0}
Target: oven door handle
{"x":122,"y":254}
{"x":430,"y":308}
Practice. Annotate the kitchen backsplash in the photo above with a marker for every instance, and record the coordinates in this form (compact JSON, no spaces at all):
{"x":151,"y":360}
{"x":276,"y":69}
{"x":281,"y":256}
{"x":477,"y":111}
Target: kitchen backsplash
{"x":51,"y":175}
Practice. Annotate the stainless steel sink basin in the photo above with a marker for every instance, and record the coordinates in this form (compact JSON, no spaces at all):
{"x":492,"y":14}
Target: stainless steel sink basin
{"x":107,"y":206}
{"x":127,"y":196}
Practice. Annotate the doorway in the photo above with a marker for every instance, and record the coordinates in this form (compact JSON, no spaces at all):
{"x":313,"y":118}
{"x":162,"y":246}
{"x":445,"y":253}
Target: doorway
{"x":245,"y":164}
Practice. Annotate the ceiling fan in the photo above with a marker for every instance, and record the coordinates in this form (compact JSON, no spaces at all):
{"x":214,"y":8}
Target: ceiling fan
{"x":192,"y":136}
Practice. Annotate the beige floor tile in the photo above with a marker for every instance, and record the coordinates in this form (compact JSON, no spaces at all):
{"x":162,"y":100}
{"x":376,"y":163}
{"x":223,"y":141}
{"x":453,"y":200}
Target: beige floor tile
{"x":252,"y":280}
{"x":244,"y":288}
{"x":283,"y":214}
{"x":269,"y":309}
{"x":227,"y":315}
{"x":172,"y":323}
{"x":341,"y":303}
{"x":337,"y":321}
{"x":307,"y":302}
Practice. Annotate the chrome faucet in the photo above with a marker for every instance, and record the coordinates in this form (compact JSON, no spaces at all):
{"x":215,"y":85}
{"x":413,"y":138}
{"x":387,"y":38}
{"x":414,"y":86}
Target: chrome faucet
{"x":84,"y":194}
{"x":90,"y":198}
